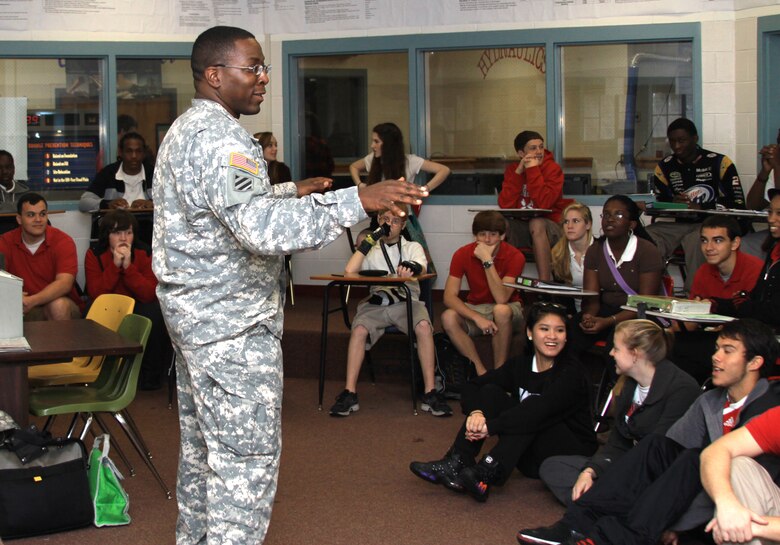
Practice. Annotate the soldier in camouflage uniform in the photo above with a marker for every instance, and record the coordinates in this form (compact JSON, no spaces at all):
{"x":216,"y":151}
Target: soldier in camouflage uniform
{"x":220,"y":234}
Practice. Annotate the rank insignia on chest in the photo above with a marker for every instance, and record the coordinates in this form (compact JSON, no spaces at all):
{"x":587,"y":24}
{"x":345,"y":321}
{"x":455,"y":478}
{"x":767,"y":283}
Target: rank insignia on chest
{"x":244,"y":163}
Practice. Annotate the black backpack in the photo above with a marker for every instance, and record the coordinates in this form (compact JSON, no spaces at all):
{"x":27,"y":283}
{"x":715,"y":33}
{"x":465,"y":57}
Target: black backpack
{"x":453,"y":370}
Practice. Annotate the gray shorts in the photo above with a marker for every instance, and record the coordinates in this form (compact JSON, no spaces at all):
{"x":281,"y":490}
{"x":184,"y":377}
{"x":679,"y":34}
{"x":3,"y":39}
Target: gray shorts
{"x":519,"y":232}
{"x":486,"y":311}
{"x":375,"y":318}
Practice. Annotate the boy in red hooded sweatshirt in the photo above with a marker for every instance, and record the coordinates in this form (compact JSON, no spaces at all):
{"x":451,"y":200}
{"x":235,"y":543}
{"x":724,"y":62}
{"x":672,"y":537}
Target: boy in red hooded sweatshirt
{"x":536,"y":181}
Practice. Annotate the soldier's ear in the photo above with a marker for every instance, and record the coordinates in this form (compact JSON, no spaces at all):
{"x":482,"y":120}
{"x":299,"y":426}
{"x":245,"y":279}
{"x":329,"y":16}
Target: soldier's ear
{"x":213,"y":77}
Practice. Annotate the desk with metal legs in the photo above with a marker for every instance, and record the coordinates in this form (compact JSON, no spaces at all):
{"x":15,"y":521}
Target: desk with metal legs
{"x":353,"y":280}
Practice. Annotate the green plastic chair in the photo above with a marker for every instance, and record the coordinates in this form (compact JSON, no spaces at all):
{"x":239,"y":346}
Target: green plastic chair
{"x":112,"y":392}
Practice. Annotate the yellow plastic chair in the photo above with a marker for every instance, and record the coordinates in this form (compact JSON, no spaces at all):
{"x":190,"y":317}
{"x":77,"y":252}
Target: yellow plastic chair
{"x":108,"y":310}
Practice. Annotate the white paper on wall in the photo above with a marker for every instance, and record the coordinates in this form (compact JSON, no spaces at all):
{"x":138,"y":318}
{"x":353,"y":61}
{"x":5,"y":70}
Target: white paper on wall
{"x":13,"y":137}
{"x":188,"y":17}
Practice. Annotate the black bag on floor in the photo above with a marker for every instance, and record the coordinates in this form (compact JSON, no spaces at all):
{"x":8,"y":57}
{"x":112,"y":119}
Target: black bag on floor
{"x":43,"y":485}
{"x":453,"y":370}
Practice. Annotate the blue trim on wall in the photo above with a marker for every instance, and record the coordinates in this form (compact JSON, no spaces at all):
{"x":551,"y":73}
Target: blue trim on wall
{"x":768,"y":78}
{"x":416,"y":46}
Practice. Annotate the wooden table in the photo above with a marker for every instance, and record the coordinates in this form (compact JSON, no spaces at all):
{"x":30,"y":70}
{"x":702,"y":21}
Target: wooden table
{"x":516,"y":213}
{"x":351,"y":279}
{"x":54,"y":342}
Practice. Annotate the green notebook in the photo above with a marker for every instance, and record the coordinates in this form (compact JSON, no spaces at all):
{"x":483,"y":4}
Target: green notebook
{"x":659,"y":205}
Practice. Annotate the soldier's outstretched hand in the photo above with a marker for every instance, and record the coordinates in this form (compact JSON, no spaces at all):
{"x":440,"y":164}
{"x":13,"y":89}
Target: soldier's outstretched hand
{"x":390,"y":193}
{"x":313,"y":185}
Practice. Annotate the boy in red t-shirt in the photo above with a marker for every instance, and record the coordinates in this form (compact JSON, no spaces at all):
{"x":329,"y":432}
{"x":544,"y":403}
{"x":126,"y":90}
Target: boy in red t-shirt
{"x":747,"y":499}
{"x":490,"y":307}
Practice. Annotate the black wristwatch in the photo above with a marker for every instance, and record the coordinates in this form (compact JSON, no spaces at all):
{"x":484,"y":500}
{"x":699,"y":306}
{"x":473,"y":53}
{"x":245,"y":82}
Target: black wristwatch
{"x":487,"y":264}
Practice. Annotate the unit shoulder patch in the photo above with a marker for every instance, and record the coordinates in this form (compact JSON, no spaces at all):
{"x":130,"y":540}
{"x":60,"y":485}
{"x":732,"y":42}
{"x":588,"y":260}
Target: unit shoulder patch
{"x":240,"y":186}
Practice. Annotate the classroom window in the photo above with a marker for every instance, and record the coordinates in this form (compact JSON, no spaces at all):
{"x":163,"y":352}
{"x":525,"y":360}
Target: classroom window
{"x":618,"y":100}
{"x":477,"y":101}
{"x":51,"y":112}
{"x":341,"y":98}
{"x":151,"y":93}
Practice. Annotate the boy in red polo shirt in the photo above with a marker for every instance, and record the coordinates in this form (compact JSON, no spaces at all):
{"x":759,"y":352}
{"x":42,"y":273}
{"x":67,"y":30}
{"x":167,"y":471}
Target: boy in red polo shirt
{"x":728,"y":273}
{"x":490,"y":307}
{"x":45,"y":259}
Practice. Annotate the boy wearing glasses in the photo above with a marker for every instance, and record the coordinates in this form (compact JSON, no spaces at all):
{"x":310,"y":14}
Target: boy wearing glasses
{"x":386,"y":306}
{"x":490,"y":308}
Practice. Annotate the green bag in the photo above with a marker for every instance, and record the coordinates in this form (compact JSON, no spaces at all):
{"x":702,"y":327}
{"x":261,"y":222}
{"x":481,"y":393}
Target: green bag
{"x":109,"y":498}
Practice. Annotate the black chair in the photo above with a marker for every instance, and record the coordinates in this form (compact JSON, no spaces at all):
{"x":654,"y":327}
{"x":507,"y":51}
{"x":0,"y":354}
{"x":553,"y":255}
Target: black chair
{"x":426,"y":296}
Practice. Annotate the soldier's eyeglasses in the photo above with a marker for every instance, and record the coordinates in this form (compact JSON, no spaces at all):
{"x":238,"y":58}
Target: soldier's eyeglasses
{"x":257,"y":69}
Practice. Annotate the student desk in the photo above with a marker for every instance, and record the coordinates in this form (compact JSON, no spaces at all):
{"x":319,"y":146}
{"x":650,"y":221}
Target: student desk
{"x":552,"y":291}
{"x":704,"y":319}
{"x":753,"y":215}
{"x":54,"y":342}
{"x":354,"y":279}
{"x":516,"y":213}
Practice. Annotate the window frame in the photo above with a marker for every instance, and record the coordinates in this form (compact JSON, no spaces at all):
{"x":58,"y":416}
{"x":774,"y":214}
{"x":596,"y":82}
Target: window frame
{"x":552,"y":39}
{"x":768,"y":36}
{"x":108,"y":53}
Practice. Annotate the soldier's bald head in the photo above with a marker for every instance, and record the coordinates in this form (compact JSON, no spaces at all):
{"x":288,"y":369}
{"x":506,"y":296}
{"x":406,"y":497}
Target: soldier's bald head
{"x":214,"y":46}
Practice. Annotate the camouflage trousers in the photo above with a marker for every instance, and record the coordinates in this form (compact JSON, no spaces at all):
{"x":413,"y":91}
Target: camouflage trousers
{"x":230,"y":441}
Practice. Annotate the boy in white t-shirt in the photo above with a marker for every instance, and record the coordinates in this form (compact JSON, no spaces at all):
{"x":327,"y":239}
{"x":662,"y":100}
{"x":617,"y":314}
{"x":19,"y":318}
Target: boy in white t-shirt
{"x":386,"y":306}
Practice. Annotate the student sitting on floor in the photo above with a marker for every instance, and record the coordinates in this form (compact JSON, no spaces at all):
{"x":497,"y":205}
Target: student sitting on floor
{"x":653,"y":394}
{"x":538,"y":405}
{"x":655,"y":486}
{"x":386,"y":306}
{"x":747,"y":498}
{"x":491,"y":308}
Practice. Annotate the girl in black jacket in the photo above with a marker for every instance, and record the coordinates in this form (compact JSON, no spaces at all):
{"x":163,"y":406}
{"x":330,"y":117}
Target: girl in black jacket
{"x":653,"y":394}
{"x":538,"y":405}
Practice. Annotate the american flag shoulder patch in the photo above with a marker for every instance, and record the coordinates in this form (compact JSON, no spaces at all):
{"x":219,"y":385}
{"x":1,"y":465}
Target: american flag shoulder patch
{"x":243,"y":162}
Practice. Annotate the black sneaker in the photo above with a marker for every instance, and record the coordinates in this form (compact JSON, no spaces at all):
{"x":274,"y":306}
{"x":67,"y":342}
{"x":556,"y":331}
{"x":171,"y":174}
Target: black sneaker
{"x":434,"y":403}
{"x":549,"y":535}
{"x":477,"y":479}
{"x":346,"y":402}
{"x":444,"y":471}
